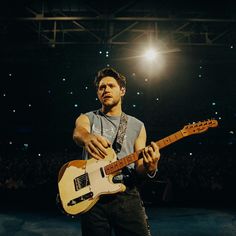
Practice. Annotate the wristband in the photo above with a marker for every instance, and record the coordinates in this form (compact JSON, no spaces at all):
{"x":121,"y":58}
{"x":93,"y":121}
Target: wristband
{"x":153,"y":175}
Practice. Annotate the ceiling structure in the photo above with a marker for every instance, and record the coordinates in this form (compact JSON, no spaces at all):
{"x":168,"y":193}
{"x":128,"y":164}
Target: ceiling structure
{"x":120,"y":23}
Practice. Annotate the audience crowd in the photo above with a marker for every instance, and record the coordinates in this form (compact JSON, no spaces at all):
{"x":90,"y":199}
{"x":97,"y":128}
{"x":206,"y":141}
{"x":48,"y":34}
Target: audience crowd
{"x":200,"y":177}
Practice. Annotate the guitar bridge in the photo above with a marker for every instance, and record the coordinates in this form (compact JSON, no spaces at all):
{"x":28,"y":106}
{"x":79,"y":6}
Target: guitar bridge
{"x":80,"y":199}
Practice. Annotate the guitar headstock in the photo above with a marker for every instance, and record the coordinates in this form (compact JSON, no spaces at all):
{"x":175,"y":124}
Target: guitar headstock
{"x":199,"y":127}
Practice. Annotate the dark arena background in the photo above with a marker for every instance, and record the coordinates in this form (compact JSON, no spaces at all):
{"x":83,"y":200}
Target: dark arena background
{"x":180,"y":63}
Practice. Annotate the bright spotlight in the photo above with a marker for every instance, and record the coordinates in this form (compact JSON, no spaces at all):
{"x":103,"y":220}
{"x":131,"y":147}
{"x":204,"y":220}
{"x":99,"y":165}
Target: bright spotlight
{"x":150,"y":55}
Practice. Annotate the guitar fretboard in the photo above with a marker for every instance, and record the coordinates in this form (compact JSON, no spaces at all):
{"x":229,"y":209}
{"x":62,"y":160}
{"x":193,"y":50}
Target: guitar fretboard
{"x":125,"y":161}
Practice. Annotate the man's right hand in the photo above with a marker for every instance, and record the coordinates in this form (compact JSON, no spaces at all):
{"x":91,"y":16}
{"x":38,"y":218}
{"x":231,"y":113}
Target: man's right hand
{"x":96,"y":146}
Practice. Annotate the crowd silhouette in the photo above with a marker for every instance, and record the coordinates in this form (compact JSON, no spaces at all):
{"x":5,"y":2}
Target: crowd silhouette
{"x":204,"y":176}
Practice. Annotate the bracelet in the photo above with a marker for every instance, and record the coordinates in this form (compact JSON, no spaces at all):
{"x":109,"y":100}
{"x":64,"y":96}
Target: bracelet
{"x":153,"y":175}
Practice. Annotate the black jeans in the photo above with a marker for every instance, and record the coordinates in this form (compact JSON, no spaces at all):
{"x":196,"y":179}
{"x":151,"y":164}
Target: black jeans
{"x":122,"y":212}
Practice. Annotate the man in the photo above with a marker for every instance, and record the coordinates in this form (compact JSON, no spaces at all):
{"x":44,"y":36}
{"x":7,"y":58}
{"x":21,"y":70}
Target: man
{"x":98,"y":130}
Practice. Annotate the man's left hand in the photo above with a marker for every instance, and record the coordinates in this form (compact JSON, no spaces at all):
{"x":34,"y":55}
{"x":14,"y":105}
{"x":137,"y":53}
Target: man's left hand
{"x":151,"y":156}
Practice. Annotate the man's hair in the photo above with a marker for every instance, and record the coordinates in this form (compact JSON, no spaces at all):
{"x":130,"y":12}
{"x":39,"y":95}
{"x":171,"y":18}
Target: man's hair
{"x":108,"y":71}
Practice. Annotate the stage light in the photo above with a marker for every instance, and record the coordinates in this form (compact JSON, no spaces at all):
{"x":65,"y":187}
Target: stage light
{"x":150,"y":55}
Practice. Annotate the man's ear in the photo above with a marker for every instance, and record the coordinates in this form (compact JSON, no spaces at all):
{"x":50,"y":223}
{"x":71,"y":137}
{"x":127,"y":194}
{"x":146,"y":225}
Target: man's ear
{"x":123,"y":91}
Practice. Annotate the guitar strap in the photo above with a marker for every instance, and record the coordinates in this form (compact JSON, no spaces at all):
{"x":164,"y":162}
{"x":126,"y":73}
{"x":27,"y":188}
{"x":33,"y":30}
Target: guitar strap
{"x":117,"y":145}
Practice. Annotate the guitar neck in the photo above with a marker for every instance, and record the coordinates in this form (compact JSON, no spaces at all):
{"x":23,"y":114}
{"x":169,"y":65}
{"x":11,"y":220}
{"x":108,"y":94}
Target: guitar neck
{"x":125,"y":161}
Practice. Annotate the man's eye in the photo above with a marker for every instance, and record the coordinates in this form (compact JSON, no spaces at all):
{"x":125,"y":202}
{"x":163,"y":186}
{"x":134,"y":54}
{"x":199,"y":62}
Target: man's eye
{"x":101,"y":87}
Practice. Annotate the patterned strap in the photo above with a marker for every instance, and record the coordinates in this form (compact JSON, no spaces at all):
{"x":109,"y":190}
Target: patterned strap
{"x":120,"y":133}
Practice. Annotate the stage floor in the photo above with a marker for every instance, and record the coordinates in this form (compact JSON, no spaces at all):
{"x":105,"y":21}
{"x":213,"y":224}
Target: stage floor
{"x":164,"y":221}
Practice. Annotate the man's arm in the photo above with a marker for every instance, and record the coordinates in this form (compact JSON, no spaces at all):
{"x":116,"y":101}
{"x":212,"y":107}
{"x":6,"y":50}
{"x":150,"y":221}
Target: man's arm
{"x":151,"y":155}
{"x":95,"y":145}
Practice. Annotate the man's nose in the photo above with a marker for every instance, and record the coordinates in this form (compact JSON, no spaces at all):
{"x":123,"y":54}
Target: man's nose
{"x":107,"y":88}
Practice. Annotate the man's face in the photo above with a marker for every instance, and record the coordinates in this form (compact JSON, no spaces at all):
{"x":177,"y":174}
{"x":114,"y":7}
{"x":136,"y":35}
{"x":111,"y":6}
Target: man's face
{"x":109,"y":92}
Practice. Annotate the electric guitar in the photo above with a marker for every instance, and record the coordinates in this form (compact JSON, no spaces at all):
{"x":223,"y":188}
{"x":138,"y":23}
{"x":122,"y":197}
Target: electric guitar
{"x":82,"y":182}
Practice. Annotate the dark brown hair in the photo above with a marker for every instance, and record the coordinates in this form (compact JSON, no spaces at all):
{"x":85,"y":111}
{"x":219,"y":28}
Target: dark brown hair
{"x":108,"y":71}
